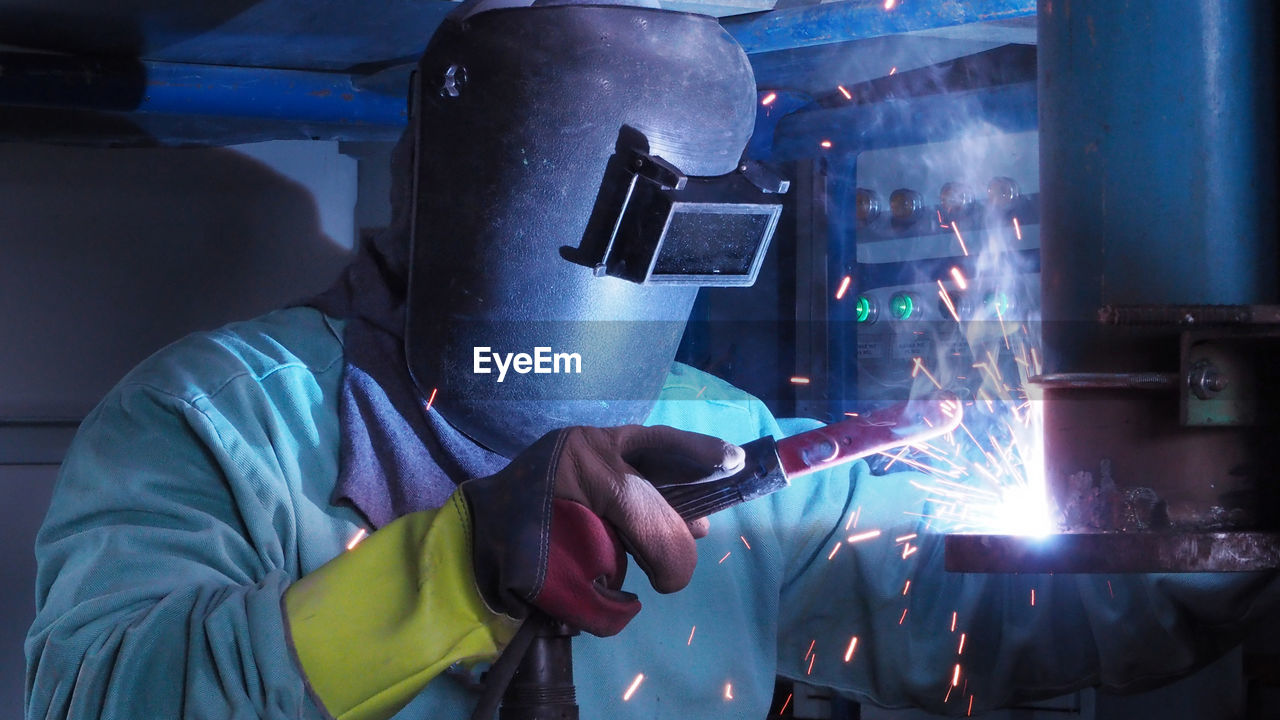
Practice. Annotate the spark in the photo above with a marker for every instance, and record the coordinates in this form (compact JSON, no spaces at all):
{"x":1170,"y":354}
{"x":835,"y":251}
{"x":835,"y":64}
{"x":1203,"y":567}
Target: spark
{"x":919,"y":466}
{"x":958,"y":276}
{"x":851,"y":414}
{"x":853,"y":645}
{"x":925,"y":448}
{"x":728,"y":691}
{"x":431,"y":399}
{"x":906,"y":587}
{"x":985,"y":368}
{"x":808,"y":652}
{"x":744,"y":541}
{"x":947,"y":697}
{"x":844,"y":287}
{"x":726,"y":557}
{"x":825,"y":144}
{"x":835,"y":549}
{"x":907,"y":551}
{"x":797,"y":380}
{"x":355,"y":539}
{"x":1113,"y":592}
{"x":970,"y":711}
{"x":961,"y":650}
{"x":785,"y":704}
{"x":995,"y":367}
{"x":1017,"y":229}
{"x":853,"y":518}
{"x":1003,"y":333}
{"x":905,"y":538}
{"x":955,"y":226}
{"x":704,"y":389}
{"x":862,"y":536}
{"x":953,"y":621}
{"x":955,"y":676}
{"x":895,"y":458}
{"x":946,"y":299}
{"x":768,"y":99}
{"x":1033,"y":597}
{"x":920,"y":364}
{"x":631,"y":690}
{"x":904,"y":616}
{"x":888,"y":4}
{"x":811,"y":659}
{"x":844,"y":92}
{"x":691,"y":631}
{"x":893,"y":69}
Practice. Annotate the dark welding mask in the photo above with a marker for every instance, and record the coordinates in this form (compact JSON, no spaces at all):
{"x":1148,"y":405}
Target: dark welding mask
{"x":578,"y":174}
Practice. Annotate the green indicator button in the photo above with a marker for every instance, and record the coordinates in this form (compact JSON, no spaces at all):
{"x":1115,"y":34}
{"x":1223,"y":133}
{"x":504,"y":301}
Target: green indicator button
{"x":902,"y":306}
{"x":863,"y":308}
{"x":997,"y":301}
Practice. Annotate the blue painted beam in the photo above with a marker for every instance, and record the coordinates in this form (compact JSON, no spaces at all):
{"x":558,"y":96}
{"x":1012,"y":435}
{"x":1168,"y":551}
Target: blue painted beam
{"x":907,"y":121}
{"x":160,"y":88}
{"x":859,"y":19}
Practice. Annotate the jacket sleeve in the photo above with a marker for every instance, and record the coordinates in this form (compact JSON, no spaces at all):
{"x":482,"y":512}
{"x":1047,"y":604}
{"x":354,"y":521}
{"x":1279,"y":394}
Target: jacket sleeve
{"x":950,"y":639}
{"x":163,"y":565}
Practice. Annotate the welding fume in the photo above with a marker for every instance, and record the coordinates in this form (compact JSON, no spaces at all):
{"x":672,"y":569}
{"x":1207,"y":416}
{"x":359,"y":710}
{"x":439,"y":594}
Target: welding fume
{"x":329,"y":511}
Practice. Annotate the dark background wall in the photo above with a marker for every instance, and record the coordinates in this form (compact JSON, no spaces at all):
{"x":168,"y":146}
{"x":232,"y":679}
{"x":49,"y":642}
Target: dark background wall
{"x":106,"y":255}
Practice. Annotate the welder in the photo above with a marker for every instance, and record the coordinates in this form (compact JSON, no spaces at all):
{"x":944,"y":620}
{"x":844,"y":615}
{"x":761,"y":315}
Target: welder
{"x":203,"y":555}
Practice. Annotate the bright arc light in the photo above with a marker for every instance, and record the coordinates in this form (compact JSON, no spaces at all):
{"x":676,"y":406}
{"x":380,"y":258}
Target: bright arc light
{"x":889,"y":4}
{"x":1024,"y":511}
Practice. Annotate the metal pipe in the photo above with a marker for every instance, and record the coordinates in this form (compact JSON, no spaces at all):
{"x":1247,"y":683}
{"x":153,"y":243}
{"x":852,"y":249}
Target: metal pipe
{"x":162,"y":88}
{"x":859,"y":19}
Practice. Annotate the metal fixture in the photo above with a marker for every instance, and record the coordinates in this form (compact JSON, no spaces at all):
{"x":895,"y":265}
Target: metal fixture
{"x":955,"y":200}
{"x":1002,"y":193}
{"x":867,"y":206}
{"x":455,"y":78}
{"x":905,"y":206}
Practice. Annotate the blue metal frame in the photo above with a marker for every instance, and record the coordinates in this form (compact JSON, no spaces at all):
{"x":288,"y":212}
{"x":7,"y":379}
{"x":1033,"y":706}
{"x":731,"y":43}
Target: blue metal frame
{"x":146,"y":87}
{"x":858,"y":19}
{"x":347,"y":106}
{"x":908,"y":121}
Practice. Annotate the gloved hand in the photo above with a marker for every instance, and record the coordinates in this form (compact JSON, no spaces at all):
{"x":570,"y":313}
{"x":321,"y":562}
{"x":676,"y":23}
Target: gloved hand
{"x":544,"y":527}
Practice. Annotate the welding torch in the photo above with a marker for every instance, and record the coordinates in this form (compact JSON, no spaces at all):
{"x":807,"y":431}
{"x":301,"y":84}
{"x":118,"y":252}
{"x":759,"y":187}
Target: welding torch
{"x":535,"y":673}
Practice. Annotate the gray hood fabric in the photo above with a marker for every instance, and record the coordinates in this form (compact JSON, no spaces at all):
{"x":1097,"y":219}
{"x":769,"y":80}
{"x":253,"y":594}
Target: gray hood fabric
{"x":397,"y":456}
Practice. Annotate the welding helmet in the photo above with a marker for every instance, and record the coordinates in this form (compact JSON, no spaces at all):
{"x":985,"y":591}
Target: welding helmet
{"x":578,"y":174}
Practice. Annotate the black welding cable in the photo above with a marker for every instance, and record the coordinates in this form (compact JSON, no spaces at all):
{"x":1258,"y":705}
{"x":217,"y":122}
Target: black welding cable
{"x":504,"y":668}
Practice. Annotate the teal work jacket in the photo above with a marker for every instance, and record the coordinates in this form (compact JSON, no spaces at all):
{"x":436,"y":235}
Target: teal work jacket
{"x":199,"y":489}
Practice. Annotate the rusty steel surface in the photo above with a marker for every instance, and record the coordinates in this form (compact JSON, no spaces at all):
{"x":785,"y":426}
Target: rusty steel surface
{"x":1114,"y":552}
{"x":1189,"y":315}
{"x":1115,"y":381}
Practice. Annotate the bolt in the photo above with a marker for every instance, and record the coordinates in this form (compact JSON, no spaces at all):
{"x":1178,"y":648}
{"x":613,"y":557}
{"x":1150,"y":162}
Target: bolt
{"x":1205,"y":380}
{"x":455,"y":78}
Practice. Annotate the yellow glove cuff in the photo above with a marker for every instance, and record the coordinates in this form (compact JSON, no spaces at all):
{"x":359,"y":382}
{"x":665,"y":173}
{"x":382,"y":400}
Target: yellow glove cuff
{"x":374,"y":625}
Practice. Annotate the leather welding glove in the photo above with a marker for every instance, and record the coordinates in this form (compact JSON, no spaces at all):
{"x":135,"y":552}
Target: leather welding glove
{"x":544,"y":526}
{"x":371,"y":627}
